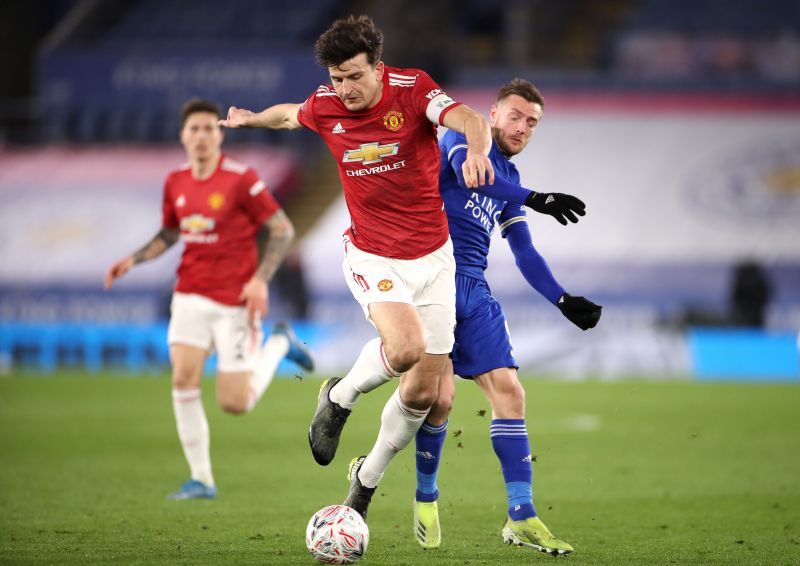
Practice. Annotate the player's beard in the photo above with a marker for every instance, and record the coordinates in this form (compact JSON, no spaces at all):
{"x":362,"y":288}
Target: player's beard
{"x":500,"y":140}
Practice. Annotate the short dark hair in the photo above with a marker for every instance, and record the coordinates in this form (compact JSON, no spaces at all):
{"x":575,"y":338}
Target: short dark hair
{"x":346,"y":38}
{"x":197,"y":105}
{"x":522,"y":88}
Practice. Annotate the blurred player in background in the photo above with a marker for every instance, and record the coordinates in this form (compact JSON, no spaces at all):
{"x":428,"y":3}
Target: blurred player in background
{"x":482,"y":350}
{"x":380,"y":124}
{"x":217,"y":205}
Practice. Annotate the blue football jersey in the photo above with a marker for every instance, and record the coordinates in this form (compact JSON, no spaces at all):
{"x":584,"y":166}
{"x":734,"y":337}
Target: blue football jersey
{"x":471,"y":216}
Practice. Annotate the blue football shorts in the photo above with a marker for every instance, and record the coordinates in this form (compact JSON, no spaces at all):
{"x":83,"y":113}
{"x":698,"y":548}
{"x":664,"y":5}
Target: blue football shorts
{"x":482,"y":339}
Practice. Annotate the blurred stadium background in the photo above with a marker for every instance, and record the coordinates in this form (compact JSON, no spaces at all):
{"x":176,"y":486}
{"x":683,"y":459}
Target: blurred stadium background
{"x":677,"y":121}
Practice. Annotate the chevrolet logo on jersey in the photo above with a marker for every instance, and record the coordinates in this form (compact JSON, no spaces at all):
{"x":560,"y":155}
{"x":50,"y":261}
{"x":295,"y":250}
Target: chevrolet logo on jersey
{"x":197,"y":223}
{"x":370,"y":153}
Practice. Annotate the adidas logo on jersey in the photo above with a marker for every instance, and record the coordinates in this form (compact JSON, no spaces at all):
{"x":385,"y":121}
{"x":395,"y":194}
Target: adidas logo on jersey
{"x":338,"y":129}
{"x":181,"y":201}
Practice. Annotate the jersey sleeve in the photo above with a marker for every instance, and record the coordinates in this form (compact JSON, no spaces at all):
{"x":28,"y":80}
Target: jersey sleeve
{"x":511,"y":214}
{"x":531,"y":264}
{"x":452,"y":143}
{"x":257,"y":201}
{"x":431,"y":100}
{"x":306,"y":115}
{"x":168,"y":217}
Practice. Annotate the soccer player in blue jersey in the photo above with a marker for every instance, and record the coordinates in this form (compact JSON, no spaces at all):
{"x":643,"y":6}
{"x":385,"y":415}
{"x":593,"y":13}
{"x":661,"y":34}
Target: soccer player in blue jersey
{"x":482,"y":351}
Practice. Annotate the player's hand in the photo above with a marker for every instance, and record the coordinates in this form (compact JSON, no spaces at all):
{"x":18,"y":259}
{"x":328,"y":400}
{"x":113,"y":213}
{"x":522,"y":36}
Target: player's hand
{"x":237,"y":118}
{"x":255,"y":294}
{"x":560,"y":206}
{"x":117,"y":270}
{"x":582,"y":312}
{"x":476,"y":168}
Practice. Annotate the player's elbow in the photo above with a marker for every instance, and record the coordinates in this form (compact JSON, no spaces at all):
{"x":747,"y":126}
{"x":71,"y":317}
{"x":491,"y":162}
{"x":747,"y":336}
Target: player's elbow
{"x":289,"y":119}
{"x":463,"y":119}
{"x":280,"y":228}
{"x":290,"y":124}
{"x":286,"y":232}
{"x":477,"y":120}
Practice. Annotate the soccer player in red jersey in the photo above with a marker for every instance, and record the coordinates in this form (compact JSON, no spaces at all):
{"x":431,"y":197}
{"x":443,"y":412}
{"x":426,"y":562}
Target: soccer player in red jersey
{"x":379,"y":123}
{"x":217,"y":205}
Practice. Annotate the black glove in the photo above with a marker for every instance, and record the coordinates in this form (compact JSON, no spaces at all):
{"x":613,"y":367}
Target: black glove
{"x":558,"y":205}
{"x":583,"y":313}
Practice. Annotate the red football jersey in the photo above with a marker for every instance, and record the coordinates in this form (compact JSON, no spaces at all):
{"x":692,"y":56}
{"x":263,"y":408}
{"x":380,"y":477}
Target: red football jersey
{"x":218,"y":218}
{"x":388,"y":158}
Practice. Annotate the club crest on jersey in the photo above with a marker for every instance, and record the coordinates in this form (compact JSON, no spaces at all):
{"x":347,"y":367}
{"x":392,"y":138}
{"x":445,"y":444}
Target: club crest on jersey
{"x":393,"y":120}
{"x":216,"y":200}
{"x":385,"y":285}
{"x":370,"y":153}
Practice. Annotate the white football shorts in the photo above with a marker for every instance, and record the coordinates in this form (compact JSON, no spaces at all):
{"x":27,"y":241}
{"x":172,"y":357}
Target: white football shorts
{"x":427,"y":283}
{"x":204,"y":323}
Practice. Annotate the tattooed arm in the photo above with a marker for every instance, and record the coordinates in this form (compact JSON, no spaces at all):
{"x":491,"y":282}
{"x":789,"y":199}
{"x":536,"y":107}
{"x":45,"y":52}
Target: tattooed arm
{"x":160,"y":243}
{"x":280,"y":235}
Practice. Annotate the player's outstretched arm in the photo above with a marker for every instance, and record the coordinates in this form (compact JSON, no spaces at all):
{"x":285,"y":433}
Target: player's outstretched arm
{"x":160,"y":243}
{"x":501,"y":189}
{"x":530,"y":262}
{"x":477,"y":168}
{"x":278,"y":117}
{"x":255,"y":291}
{"x":580,"y":311}
{"x":562,"y":207}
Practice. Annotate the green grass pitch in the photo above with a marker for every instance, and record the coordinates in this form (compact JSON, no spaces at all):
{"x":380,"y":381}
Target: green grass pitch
{"x":633,"y":472}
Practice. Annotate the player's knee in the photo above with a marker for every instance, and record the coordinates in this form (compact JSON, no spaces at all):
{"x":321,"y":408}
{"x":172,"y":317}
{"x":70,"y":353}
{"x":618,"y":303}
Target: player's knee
{"x":442,"y":406}
{"x":513,"y":400}
{"x":506,"y":396}
{"x":518,"y":392}
{"x":184,"y":378}
{"x":421,"y":399}
{"x":233,"y":407}
{"x":405,"y":360}
{"x":517,"y":407}
{"x":402,"y":357}
{"x":234,"y":404}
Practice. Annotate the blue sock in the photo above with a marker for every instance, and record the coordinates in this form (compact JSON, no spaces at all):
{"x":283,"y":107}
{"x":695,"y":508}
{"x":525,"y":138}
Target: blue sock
{"x":430,"y":439}
{"x":510,"y":443}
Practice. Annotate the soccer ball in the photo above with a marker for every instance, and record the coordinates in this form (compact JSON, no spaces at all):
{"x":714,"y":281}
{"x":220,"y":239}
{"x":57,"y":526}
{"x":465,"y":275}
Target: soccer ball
{"x":337,"y":534}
